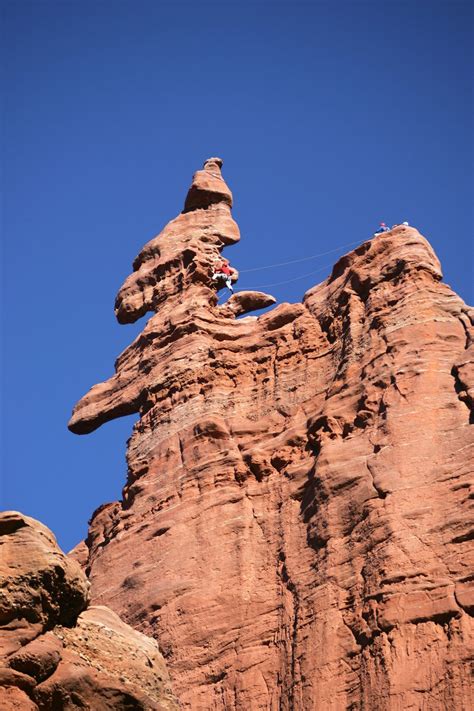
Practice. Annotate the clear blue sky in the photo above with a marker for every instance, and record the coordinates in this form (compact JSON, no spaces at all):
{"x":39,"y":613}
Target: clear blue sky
{"x":330,"y":116}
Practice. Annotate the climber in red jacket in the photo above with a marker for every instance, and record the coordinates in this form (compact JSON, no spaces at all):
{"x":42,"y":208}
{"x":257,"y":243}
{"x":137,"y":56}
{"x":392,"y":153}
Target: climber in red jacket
{"x":223,"y":271}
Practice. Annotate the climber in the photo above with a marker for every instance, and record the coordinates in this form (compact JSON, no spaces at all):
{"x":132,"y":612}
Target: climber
{"x":383,"y":228}
{"x":223,"y":271}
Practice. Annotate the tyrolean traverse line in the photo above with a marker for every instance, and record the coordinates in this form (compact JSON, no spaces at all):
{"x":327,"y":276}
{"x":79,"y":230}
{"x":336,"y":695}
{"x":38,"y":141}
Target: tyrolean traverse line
{"x":296,"y":261}
{"x":287,"y":281}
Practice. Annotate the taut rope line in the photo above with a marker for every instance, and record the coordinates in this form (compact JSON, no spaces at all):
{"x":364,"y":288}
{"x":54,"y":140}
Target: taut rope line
{"x":302,"y":259}
{"x":285,"y":281}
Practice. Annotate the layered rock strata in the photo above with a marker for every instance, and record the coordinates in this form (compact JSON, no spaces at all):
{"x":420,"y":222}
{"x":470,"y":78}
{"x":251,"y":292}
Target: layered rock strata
{"x":295,"y":527}
{"x":56,"y":651}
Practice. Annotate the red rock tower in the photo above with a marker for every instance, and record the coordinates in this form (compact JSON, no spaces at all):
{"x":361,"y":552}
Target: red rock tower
{"x":294,"y":530}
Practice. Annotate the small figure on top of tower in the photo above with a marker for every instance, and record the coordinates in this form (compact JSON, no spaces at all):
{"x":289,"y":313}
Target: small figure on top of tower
{"x":382,"y":228}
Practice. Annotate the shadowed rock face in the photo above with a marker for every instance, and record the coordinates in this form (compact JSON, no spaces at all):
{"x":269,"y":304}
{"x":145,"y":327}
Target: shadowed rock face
{"x":58,"y":653}
{"x":295,"y":525}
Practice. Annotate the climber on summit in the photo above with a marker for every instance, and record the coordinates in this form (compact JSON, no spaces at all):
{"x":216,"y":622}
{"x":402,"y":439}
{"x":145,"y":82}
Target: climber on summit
{"x":223,"y":272}
{"x":383,"y":228}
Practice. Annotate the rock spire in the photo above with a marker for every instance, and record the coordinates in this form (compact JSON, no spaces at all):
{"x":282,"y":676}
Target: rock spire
{"x":294,"y":530}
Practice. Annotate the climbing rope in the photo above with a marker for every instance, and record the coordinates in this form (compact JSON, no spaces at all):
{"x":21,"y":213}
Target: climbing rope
{"x":286,"y":281}
{"x":302,"y":259}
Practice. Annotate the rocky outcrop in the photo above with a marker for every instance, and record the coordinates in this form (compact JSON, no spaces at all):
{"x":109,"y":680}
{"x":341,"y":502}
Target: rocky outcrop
{"x":245,"y":302}
{"x":56,"y":651}
{"x":295,"y":527}
{"x":181,"y":256}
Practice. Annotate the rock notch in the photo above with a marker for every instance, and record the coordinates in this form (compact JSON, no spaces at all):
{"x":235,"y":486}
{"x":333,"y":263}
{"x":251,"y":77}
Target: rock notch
{"x":295,"y":527}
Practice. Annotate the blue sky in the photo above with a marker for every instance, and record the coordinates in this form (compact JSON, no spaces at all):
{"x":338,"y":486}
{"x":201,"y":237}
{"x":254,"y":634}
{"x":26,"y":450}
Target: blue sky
{"x":330,"y":117}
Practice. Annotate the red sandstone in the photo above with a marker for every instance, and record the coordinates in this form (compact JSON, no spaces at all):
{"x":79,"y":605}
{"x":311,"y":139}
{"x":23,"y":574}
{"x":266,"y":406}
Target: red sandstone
{"x":56,"y":651}
{"x":295,"y":527}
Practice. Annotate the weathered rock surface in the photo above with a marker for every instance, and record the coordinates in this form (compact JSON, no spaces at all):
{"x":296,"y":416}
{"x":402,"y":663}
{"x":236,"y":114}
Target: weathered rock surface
{"x":58,"y":653}
{"x":295,"y":528}
{"x":246,"y":301}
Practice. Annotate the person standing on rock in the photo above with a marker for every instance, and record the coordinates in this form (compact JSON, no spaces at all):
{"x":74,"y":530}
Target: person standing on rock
{"x":383,"y":228}
{"x":223,"y":271}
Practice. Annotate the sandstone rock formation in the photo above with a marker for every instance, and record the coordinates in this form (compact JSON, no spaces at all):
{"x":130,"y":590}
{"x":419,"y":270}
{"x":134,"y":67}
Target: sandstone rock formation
{"x":58,"y":653}
{"x":295,"y":527}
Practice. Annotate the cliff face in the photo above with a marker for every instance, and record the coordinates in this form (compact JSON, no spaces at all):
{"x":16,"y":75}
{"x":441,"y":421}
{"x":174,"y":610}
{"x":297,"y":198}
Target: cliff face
{"x":56,"y":651}
{"x":294,"y":530}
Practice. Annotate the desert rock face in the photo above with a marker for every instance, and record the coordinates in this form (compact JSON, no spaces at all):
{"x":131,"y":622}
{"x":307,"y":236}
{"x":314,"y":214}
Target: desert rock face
{"x":295,"y":527}
{"x":56,"y":652}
